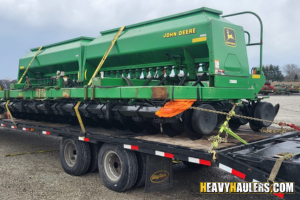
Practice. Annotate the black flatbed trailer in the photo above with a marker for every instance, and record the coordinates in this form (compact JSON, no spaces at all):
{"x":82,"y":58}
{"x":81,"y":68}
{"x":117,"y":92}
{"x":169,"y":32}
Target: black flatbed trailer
{"x":252,"y":162}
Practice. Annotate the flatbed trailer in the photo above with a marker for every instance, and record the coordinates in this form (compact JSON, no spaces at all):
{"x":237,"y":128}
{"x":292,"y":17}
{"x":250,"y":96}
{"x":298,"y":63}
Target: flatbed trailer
{"x":253,"y":162}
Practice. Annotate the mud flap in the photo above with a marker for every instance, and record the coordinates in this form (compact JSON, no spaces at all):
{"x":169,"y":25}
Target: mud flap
{"x":159,"y":173}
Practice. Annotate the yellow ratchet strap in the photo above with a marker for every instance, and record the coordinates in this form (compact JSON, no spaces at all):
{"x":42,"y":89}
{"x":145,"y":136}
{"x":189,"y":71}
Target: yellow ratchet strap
{"x":30,"y":64}
{"x":106,"y":54}
{"x":79,"y":117}
{"x":12,"y":119}
{"x":18,"y":154}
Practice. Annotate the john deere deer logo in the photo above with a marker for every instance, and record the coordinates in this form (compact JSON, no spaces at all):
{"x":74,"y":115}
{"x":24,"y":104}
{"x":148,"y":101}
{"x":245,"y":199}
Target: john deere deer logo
{"x":229,"y":35}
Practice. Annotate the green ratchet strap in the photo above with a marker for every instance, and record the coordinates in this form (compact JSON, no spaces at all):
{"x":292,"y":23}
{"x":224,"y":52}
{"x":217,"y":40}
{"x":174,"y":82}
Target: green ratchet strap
{"x":227,"y":130}
{"x":224,"y":127}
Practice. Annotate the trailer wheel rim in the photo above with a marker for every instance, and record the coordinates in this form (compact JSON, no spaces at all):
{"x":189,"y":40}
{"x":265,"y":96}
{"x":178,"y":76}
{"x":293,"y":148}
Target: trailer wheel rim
{"x":112,"y":166}
{"x":70,"y":154}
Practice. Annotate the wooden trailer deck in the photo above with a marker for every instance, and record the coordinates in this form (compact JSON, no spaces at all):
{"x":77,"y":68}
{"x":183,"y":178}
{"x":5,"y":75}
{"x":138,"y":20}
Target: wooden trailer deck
{"x":244,"y":132}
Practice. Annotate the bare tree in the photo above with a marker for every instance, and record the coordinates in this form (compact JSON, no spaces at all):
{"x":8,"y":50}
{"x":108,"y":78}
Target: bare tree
{"x":291,"y":70}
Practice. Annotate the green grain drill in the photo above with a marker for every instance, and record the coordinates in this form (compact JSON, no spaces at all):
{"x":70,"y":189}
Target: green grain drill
{"x":196,"y":55}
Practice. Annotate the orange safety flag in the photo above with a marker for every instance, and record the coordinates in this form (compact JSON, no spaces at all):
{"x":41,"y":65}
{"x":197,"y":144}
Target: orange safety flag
{"x":173,"y":108}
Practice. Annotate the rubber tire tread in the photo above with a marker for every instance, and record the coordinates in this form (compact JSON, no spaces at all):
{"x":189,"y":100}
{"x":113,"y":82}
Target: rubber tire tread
{"x":141,"y":158}
{"x":129,"y":168}
{"x":221,"y":120}
{"x":94,"y":157}
{"x":276,"y":108}
{"x":258,"y":113}
{"x":252,"y":123}
{"x":199,"y":114}
{"x":83,"y":157}
{"x":242,"y":111}
{"x":191,"y":133}
{"x":234,"y":125}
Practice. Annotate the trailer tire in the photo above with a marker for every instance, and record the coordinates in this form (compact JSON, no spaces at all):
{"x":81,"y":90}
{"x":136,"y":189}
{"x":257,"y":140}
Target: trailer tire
{"x":75,"y":156}
{"x":141,"y":158}
{"x":94,"y":157}
{"x":118,"y":167}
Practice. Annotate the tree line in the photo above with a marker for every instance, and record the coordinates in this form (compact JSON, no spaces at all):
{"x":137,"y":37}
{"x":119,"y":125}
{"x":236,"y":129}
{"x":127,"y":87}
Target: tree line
{"x":274,"y":73}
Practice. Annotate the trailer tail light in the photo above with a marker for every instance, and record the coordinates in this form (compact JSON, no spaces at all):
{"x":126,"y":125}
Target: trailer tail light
{"x":13,"y":127}
{"x":3,"y":125}
{"x":25,"y":129}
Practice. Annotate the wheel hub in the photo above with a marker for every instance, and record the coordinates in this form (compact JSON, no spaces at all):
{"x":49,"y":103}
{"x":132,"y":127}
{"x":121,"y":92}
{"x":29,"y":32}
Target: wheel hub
{"x":112,"y":166}
{"x":70,"y":154}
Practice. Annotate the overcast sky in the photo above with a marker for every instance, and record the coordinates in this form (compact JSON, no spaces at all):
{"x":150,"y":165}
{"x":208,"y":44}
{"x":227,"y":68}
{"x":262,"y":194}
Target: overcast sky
{"x":25,"y":24}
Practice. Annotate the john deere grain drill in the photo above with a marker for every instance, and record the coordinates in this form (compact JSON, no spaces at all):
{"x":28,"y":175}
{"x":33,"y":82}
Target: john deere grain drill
{"x":145,"y":76}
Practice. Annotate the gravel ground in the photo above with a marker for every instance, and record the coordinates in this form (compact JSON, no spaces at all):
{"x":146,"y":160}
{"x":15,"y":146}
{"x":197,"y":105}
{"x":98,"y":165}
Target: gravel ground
{"x":40,"y":176}
{"x":289,"y":108}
